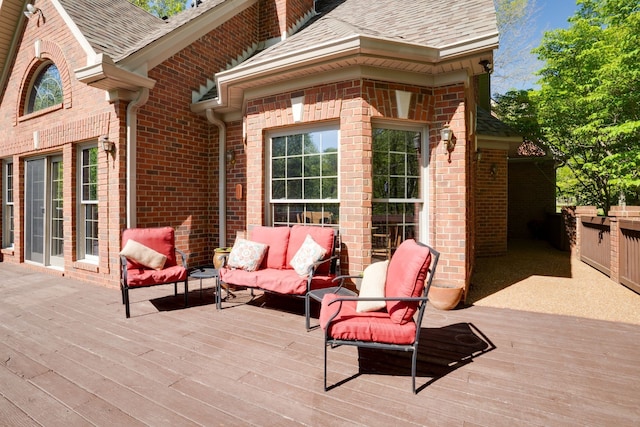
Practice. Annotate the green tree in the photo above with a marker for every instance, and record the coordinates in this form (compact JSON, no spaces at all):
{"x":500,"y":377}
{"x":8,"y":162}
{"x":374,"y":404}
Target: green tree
{"x":161,"y":8}
{"x":589,"y":101}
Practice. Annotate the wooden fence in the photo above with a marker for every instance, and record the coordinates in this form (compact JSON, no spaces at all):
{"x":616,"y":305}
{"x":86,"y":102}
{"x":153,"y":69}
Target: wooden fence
{"x":611,"y":244}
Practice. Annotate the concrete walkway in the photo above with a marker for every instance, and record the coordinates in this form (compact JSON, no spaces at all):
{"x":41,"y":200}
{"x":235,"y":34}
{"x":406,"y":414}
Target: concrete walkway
{"x":536,"y":277}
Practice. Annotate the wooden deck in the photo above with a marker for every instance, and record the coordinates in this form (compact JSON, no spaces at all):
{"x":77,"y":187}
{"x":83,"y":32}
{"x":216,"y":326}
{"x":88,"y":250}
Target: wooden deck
{"x":70,"y":358}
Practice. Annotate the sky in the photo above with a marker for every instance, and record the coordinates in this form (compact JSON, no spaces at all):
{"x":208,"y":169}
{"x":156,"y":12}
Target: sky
{"x":550,"y":15}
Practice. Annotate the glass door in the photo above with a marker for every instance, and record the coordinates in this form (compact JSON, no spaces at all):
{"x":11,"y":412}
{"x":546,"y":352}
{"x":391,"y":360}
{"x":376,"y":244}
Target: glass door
{"x":34,"y":210}
{"x":398,"y":199}
{"x":44,"y":235}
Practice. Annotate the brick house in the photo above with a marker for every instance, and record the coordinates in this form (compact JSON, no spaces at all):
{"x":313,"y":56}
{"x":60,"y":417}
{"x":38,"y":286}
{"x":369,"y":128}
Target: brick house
{"x":241,"y":112}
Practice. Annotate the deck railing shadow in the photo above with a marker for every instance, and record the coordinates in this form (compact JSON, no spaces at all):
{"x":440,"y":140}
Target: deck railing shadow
{"x":441,"y":351}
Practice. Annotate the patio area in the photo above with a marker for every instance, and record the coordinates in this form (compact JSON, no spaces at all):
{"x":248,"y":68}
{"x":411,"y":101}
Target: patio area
{"x":69,"y":357}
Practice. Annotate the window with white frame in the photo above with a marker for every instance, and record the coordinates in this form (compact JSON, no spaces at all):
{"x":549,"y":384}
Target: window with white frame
{"x":7,"y":209}
{"x":397,"y":191}
{"x":303,"y":181}
{"x":88,"y":200}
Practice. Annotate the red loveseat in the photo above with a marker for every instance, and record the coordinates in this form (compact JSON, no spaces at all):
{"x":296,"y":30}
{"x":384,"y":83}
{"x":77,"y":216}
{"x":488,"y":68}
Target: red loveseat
{"x":275,"y":273}
{"x":157,"y":247}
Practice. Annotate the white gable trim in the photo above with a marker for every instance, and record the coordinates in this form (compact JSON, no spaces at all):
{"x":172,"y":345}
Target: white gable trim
{"x":81,"y":39}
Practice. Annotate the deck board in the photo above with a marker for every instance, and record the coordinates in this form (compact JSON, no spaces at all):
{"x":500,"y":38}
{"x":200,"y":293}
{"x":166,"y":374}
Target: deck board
{"x":68,"y":357}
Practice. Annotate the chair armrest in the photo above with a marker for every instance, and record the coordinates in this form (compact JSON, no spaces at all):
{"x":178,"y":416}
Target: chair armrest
{"x":184,"y":257}
{"x":318,"y":263}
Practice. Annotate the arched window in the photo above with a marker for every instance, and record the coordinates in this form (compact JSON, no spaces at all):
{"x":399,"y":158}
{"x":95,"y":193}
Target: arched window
{"x":46,"y":90}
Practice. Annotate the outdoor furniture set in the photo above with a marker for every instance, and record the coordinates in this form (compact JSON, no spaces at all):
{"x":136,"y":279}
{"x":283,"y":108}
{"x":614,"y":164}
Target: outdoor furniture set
{"x":302,"y":261}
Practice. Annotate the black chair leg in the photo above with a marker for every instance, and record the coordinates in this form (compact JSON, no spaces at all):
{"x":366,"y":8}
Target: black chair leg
{"x":125,"y":294}
{"x":186,"y":293}
{"x":306,"y":312}
{"x":413,"y":369}
{"x":325,"y":365}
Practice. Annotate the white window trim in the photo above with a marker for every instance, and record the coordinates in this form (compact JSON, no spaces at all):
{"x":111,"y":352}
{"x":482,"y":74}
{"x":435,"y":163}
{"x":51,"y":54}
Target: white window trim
{"x":81,"y":245}
{"x":423,"y":223}
{"x":296,"y":131}
{"x":5,"y":204}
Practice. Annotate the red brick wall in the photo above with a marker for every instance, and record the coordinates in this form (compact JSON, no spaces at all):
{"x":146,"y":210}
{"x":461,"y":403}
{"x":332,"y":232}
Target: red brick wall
{"x":353,"y":104}
{"x":491,"y":203}
{"x":83,"y":117}
{"x":177,"y":156}
{"x":279,"y":16}
{"x":449,"y":187}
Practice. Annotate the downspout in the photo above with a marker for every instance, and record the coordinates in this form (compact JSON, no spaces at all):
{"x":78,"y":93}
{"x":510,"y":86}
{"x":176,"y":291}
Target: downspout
{"x":222,"y":176}
{"x":132,"y":139}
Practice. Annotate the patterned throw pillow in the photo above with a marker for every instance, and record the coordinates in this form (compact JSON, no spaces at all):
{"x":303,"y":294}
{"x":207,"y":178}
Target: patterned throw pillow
{"x":246,"y":255}
{"x":372,"y":286}
{"x":309,"y":252}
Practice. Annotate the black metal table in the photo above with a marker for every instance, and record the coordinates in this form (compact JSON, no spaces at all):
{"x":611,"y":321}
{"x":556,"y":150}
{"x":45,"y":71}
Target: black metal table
{"x":204,"y":272}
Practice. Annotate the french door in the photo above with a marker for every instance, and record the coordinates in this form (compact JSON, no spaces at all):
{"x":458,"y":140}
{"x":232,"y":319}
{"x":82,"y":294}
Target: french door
{"x":44,"y":237}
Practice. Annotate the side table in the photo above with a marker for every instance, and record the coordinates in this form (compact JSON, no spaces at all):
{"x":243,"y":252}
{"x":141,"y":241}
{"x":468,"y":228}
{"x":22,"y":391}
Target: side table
{"x":204,"y":272}
{"x":318,"y":294}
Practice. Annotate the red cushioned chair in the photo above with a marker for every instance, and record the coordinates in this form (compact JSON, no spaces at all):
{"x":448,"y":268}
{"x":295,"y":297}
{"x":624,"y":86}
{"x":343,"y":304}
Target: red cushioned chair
{"x":395,"y":327}
{"x":134,"y":275}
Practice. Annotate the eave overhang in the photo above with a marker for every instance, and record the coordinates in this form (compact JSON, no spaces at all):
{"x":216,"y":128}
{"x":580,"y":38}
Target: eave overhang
{"x":356,"y":55}
{"x":105,"y":74}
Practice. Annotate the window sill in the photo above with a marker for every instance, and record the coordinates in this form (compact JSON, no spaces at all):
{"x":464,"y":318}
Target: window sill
{"x":39,"y":113}
{"x":7,"y":251}
{"x":86,"y":266}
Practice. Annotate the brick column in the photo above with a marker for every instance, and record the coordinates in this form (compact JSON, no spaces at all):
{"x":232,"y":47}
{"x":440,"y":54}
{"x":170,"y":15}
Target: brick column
{"x":581,"y":211}
{"x":615,"y":213}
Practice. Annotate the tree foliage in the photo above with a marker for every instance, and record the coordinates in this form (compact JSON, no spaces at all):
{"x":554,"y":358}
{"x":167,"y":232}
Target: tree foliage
{"x":161,"y":8}
{"x":588,"y":105}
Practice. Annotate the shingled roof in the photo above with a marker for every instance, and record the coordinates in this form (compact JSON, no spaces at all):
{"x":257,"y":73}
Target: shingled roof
{"x":118,"y":28}
{"x":430,"y":23}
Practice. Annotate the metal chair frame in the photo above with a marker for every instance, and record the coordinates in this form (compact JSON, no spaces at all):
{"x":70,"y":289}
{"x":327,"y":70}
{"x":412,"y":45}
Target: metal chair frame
{"x":413,"y":347}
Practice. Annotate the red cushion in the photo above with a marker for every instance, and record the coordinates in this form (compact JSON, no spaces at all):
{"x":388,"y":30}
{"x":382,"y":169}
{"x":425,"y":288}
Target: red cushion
{"x":374,"y":326}
{"x":277,"y":238}
{"x":321,"y":235}
{"x":160,"y":239}
{"x":282,"y":281}
{"x":405,"y":278}
{"x":146,"y":277}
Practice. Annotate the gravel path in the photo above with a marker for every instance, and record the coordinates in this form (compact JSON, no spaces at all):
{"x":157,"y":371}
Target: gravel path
{"x":534,"y":276}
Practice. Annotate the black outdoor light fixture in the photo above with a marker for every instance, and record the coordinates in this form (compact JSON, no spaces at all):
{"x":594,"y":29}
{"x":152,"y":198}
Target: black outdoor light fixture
{"x":486,"y":66}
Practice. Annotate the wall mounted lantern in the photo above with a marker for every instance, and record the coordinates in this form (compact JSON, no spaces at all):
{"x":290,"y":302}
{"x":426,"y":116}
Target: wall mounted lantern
{"x":446,"y":135}
{"x":107,"y":146}
{"x":230,"y":156}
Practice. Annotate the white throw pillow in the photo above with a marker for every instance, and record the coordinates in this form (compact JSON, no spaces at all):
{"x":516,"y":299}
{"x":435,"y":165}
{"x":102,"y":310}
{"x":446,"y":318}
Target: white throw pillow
{"x":372,"y":286}
{"x":143,"y":255}
{"x":309,"y":253}
{"x":247,"y":255}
